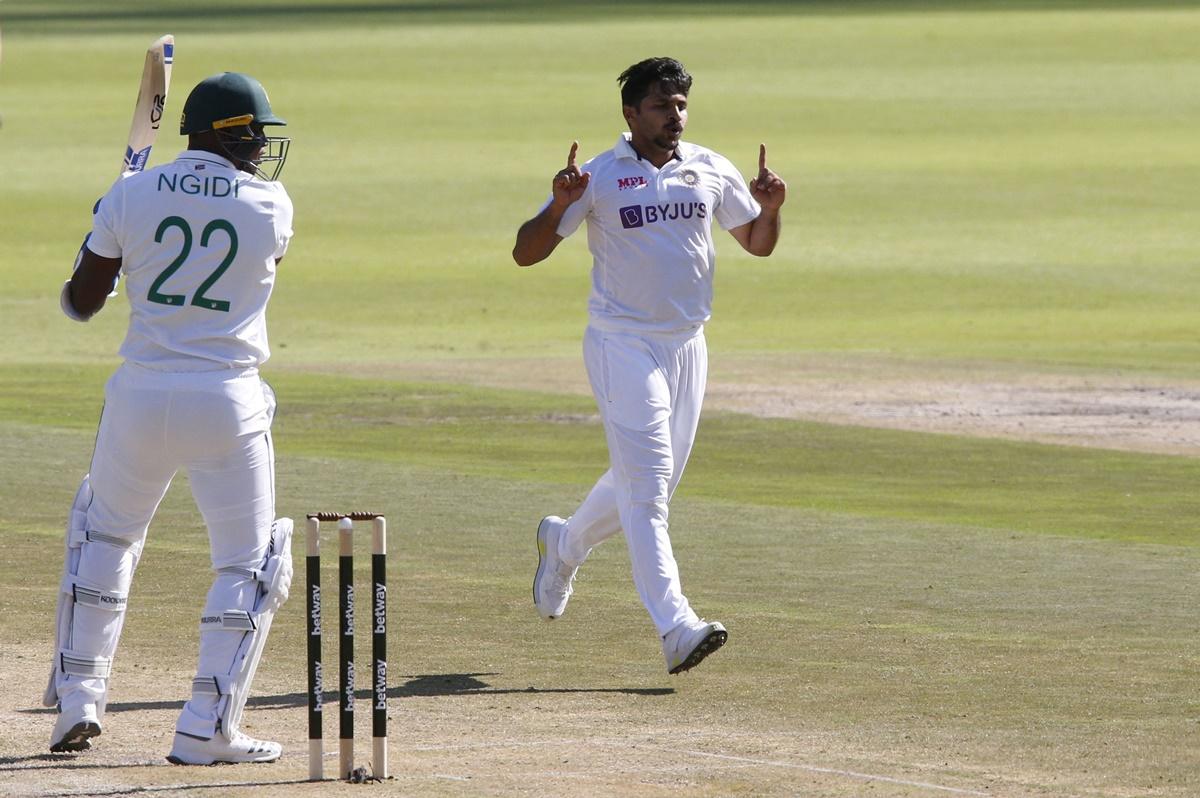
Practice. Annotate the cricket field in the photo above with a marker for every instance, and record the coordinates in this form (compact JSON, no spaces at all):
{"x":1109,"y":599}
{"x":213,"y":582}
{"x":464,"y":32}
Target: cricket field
{"x":945,"y":492}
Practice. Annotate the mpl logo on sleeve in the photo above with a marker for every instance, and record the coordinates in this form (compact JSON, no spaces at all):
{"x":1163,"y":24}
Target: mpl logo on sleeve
{"x":630,"y":182}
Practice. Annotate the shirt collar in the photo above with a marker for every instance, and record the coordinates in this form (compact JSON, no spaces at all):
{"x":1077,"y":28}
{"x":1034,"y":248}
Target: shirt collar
{"x":207,"y":157}
{"x":624,"y":149}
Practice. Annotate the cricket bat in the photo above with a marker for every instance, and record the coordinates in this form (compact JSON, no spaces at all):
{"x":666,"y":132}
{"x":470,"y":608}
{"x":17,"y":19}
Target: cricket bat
{"x":151,"y":101}
{"x":147,"y":116}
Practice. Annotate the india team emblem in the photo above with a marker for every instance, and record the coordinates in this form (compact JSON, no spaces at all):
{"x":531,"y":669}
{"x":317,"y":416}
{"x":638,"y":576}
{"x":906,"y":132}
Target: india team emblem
{"x":689,"y":177}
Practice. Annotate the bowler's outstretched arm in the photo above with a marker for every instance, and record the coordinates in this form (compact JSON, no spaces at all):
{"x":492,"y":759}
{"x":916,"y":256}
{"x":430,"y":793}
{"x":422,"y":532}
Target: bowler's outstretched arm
{"x":760,"y":236}
{"x":538,"y":237}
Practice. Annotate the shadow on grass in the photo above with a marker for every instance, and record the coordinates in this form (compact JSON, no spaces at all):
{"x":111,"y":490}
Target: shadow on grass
{"x":425,"y":685}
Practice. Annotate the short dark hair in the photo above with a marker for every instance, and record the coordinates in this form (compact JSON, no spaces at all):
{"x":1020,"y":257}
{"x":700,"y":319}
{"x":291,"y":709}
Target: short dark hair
{"x":637,"y":81}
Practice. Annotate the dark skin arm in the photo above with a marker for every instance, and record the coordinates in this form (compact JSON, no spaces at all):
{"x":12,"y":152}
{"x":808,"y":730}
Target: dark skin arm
{"x":92,"y":282}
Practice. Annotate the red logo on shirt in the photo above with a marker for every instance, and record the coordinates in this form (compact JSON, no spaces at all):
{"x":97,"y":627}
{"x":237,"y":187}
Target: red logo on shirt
{"x":630,"y":182}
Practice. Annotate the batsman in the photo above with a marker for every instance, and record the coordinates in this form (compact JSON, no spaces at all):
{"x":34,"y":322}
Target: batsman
{"x":649,"y":203}
{"x":197,"y":241}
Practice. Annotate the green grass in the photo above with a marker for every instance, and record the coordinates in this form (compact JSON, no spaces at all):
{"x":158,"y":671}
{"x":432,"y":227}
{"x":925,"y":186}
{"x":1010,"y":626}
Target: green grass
{"x":995,"y":184}
{"x":546,"y":439}
{"x":987,"y":185}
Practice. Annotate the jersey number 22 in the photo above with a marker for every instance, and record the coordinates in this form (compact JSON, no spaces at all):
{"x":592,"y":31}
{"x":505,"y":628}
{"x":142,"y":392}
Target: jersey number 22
{"x":199,"y":299}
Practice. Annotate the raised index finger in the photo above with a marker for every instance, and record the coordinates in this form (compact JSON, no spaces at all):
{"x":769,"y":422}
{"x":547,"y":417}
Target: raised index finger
{"x":762,"y":157}
{"x":571,"y":156}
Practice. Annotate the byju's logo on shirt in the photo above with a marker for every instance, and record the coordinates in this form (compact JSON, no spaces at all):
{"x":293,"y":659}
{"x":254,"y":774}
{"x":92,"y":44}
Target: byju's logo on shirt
{"x":639,"y":216}
{"x":630,"y":182}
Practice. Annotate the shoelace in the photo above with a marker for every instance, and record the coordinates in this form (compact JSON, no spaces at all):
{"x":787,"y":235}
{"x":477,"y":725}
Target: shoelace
{"x":252,"y":745}
{"x":564,"y":576}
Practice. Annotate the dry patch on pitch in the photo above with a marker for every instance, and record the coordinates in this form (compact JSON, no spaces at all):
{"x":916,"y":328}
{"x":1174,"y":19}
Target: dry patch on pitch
{"x":1105,"y":410}
{"x":903,"y":663}
{"x":466,"y":734}
{"x":1110,"y":411}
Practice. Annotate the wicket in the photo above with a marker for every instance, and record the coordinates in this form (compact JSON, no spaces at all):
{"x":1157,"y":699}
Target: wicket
{"x":316,"y":745}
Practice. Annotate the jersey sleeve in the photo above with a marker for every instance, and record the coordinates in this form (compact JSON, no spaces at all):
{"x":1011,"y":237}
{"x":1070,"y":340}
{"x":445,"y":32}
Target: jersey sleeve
{"x":104,"y":239}
{"x":736,"y":206}
{"x":283,"y":224}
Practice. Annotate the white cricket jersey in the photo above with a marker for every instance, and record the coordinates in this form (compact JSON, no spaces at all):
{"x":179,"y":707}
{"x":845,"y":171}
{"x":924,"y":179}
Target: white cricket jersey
{"x":650,"y":234}
{"x":198,"y":240}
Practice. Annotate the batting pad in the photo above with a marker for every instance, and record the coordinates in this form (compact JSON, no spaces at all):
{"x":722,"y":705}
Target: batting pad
{"x":228,"y":684}
{"x":94,"y":591}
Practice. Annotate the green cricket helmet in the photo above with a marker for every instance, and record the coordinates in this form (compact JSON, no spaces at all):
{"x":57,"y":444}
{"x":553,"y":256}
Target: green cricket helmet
{"x":235,"y":107}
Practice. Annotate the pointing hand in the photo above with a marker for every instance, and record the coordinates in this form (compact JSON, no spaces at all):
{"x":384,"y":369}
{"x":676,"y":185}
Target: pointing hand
{"x":569,"y":184}
{"x":768,"y":188}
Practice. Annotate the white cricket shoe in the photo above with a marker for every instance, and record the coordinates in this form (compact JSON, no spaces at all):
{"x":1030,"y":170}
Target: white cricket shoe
{"x":74,"y":729}
{"x":552,"y":583}
{"x":688,"y":644}
{"x":190,"y":750}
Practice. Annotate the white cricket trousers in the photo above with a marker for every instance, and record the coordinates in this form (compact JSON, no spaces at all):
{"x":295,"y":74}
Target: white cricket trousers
{"x":649,"y":389}
{"x":215,"y":424}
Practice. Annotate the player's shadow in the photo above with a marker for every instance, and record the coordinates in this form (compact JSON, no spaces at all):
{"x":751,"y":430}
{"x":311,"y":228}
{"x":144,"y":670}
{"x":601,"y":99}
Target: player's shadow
{"x":448,"y":684}
{"x":422,"y":686}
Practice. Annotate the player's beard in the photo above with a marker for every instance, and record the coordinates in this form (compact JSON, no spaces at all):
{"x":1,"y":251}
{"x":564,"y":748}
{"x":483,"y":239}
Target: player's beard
{"x":667,"y":140}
